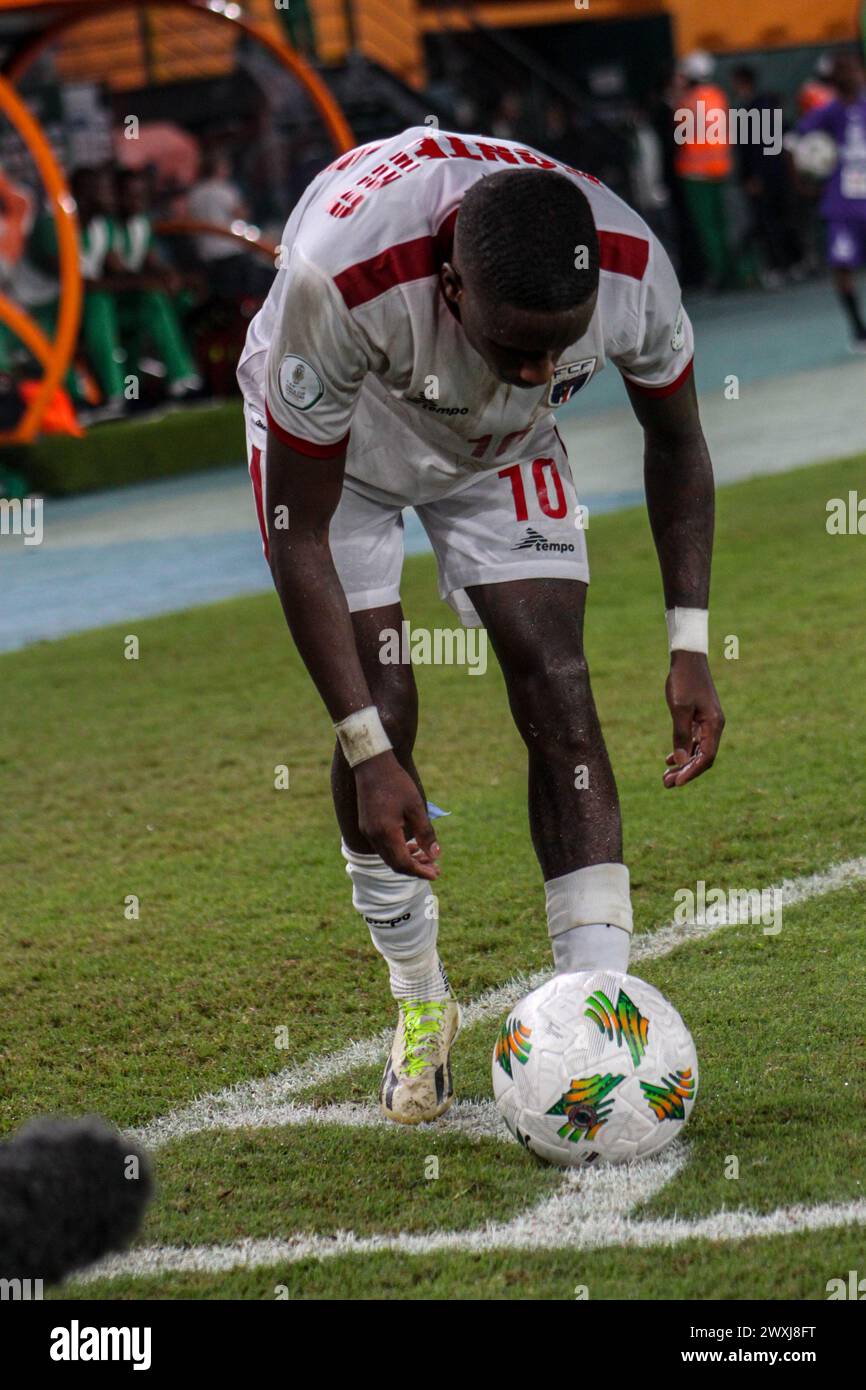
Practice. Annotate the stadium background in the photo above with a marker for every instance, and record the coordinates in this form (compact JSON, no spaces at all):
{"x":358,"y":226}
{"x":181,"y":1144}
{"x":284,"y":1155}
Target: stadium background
{"x":271,"y":93}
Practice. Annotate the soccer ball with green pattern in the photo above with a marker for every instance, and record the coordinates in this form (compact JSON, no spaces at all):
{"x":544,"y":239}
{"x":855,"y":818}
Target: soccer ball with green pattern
{"x":594,"y":1066}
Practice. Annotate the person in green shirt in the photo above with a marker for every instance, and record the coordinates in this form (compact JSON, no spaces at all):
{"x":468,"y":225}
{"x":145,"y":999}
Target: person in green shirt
{"x":147,"y":313}
{"x":98,"y":333}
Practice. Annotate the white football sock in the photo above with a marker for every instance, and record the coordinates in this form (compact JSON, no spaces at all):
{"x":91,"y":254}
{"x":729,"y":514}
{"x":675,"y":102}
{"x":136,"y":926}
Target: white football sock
{"x":400,"y":912}
{"x":594,"y":946}
{"x":589,"y":918}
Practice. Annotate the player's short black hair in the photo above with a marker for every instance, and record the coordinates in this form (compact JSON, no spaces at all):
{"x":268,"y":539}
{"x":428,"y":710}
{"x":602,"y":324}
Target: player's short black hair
{"x":520,"y":233}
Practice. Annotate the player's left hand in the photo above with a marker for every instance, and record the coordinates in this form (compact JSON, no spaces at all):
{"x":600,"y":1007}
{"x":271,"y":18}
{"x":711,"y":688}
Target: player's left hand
{"x":697,"y":715}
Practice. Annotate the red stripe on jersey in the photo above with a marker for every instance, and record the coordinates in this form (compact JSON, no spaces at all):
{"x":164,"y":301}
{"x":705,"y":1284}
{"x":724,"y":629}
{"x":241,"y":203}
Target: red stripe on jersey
{"x":306,"y":446}
{"x":410,"y":260}
{"x":415,"y":260}
{"x":256,"y":480}
{"x":669,"y":388}
{"x":396,"y":265}
{"x":623,"y":254}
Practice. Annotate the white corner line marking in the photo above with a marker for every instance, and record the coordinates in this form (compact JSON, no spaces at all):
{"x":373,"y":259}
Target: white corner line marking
{"x":593,"y":1209}
{"x":249,"y":1103}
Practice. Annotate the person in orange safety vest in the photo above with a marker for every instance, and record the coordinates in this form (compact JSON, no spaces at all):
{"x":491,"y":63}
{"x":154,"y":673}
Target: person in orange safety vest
{"x":703,"y":162}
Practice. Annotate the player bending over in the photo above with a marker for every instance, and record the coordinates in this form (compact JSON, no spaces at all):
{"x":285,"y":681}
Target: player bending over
{"x":439,"y":297}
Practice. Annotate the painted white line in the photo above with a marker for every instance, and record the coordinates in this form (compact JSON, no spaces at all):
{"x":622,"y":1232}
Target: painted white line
{"x":605,"y":1192}
{"x":593,"y":1208}
{"x":592,"y":1211}
{"x":221,"y":1109}
{"x":238,"y":1106}
{"x":474,"y":1119}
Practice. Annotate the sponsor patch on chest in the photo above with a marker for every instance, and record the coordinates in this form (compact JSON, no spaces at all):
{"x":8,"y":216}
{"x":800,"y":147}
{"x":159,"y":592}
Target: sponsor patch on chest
{"x":568,"y":379}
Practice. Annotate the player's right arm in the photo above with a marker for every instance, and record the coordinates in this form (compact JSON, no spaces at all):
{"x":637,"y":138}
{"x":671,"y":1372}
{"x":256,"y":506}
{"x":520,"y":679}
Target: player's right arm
{"x":390,"y":808}
{"x":317,"y":360}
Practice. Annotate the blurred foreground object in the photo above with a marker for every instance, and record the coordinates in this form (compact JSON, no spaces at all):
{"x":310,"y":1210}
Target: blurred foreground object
{"x":71,"y":1191}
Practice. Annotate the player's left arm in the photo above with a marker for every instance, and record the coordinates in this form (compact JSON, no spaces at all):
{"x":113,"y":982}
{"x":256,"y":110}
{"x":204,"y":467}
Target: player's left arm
{"x":678,"y":478}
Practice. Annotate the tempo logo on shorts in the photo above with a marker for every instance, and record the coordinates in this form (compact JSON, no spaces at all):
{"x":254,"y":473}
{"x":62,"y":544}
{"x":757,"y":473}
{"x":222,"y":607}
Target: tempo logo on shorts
{"x":568,"y":379}
{"x":300,"y":383}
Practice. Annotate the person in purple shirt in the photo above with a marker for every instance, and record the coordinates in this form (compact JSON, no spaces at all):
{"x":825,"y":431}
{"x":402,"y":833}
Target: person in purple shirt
{"x":843,"y":204}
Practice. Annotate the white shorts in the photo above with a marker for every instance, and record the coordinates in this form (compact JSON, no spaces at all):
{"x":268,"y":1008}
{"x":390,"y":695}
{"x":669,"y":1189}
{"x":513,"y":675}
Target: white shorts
{"x":518,"y":522}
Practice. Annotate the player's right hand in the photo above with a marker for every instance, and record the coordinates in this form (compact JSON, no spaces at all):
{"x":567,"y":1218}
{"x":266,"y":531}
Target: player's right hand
{"x":393,"y":817}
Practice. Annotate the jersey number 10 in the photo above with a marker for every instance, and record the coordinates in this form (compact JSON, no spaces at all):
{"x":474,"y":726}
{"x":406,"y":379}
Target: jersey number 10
{"x":545,"y":476}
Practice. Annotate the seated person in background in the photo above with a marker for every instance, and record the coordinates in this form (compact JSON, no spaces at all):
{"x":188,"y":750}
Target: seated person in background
{"x":93,"y":190}
{"x":218,"y":200}
{"x":145,"y":282}
{"x":16,"y":216}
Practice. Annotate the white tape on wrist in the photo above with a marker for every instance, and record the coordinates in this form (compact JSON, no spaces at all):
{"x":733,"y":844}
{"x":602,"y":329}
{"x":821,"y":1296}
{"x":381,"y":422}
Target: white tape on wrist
{"x":688,"y":629}
{"x":362,"y":736}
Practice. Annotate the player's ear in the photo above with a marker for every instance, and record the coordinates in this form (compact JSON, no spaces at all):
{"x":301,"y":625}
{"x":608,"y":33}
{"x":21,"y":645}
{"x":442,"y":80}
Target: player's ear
{"x":451,"y":282}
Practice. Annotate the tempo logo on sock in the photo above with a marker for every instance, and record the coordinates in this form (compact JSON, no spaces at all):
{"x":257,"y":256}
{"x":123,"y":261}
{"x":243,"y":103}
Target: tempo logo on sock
{"x":77,"y":1343}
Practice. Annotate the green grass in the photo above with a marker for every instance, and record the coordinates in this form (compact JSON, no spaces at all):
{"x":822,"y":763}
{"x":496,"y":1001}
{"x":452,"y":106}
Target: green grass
{"x":260,"y":1183}
{"x":156,"y":778}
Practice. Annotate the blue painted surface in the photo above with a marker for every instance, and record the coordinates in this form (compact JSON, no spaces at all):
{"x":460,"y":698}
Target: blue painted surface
{"x":49,"y":591}
{"x":757,"y":334}
{"x":48,"y":594}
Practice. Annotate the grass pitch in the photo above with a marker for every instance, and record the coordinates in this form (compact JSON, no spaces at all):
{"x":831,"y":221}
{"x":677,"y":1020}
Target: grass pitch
{"x":154,"y":779}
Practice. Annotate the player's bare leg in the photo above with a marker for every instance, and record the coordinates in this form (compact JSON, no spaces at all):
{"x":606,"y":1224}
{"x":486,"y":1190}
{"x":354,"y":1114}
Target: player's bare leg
{"x":400,"y":912}
{"x":536,"y":629}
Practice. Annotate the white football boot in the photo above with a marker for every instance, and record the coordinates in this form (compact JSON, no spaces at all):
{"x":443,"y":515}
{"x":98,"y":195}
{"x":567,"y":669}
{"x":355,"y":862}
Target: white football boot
{"x":416,"y":1084}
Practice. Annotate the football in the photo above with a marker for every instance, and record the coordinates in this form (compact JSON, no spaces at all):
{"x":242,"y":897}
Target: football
{"x":816,"y":154}
{"x":596,"y":1066}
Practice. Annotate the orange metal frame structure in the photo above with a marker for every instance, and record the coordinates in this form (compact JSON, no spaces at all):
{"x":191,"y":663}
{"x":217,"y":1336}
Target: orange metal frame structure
{"x":54,"y":357}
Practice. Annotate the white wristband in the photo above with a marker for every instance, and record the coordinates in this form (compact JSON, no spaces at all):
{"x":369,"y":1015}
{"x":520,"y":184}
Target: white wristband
{"x":362,"y":736}
{"x":688,"y":629}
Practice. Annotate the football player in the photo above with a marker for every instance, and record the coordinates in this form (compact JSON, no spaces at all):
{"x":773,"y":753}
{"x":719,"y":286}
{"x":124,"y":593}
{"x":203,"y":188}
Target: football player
{"x":438,"y":297}
{"x":843,"y":202}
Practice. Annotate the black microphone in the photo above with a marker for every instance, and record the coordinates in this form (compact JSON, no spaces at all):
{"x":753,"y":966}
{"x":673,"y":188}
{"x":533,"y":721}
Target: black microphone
{"x":71,"y":1191}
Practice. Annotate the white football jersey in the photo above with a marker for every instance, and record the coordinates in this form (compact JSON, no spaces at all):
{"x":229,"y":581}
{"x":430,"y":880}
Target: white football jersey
{"x":356,"y":335}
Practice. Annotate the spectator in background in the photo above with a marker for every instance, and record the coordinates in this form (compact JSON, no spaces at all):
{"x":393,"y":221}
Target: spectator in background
{"x":682,"y":244}
{"x":650,"y":190}
{"x":217,"y":199}
{"x":843,"y":203}
{"x":93,"y":190}
{"x":16,"y":216}
{"x":298,"y":25}
{"x":148,"y":315}
{"x":509,"y":122}
{"x":557,"y":138}
{"x":768,"y":188}
{"x":817,"y":91}
{"x":703,"y":166}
